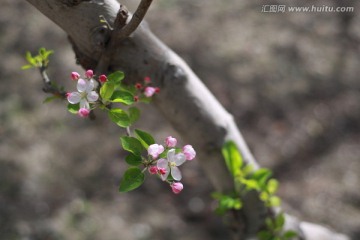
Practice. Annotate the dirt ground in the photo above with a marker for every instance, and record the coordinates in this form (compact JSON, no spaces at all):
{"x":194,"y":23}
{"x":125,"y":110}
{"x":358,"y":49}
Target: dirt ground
{"x":291,"y":80}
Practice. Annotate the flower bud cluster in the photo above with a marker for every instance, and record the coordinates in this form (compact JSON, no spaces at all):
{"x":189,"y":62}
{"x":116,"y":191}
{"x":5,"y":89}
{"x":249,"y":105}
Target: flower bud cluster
{"x":145,"y":89}
{"x":166,"y":160}
{"x":87,"y":94}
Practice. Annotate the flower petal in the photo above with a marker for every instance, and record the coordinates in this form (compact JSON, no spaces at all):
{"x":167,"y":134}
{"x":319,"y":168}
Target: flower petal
{"x":179,"y":159}
{"x":74,"y":97}
{"x":84,"y":104}
{"x":175,"y":173}
{"x":171,"y":155}
{"x":92,"y":84}
{"x":162,"y":163}
{"x":82,"y":85}
{"x":92,"y":96}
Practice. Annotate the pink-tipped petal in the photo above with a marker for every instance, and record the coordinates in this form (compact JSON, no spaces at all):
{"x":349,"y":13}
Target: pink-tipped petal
{"x":73,"y":97}
{"x":92,"y":96}
{"x":189,"y":152}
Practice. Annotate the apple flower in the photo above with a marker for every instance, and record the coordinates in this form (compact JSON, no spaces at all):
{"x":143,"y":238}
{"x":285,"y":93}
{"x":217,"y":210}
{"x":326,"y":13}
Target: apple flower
{"x":189,"y":152}
{"x":155,"y":150}
{"x":171,"y":164}
{"x":85,"y":94}
{"x":170,"y":141}
{"x":177,"y":187}
{"x":149,"y":91}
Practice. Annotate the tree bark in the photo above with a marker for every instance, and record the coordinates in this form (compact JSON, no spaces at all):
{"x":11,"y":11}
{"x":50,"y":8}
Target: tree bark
{"x":184,"y":100}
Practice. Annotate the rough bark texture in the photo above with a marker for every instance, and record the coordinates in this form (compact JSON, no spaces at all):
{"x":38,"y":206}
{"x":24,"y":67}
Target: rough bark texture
{"x":184,"y":100}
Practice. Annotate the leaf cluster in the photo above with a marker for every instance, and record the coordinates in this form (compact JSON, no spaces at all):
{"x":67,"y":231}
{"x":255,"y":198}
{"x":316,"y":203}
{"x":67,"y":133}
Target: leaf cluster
{"x":41,"y":60}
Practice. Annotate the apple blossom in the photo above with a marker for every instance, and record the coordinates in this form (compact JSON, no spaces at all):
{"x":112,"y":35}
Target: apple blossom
{"x":171,"y":164}
{"x":170,"y":141}
{"x":147,"y":79}
{"x":85,"y":94}
{"x":102,"y":78}
{"x":75,"y":76}
{"x":89,"y":73}
{"x":153,"y":170}
{"x":189,"y":152}
{"x":149,"y":91}
{"x":155,"y":150}
{"x":177,"y":187}
{"x":83,"y":112}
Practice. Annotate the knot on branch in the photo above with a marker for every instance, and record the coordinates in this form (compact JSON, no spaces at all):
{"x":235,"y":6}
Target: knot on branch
{"x":121,"y":17}
{"x":100,"y":36}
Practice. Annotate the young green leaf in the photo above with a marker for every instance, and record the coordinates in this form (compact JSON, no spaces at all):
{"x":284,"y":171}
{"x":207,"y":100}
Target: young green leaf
{"x":132,"y":145}
{"x":272,"y":186}
{"x":274,"y":201}
{"x":133,"y":178}
{"x":133,"y":160}
{"x":134,"y":114}
{"x":107,"y":90}
{"x":123,"y":97}
{"x":261,"y":175}
{"x":289,"y":235}
{"x":25,"y":67}
{"x":119,"y":117}
{"x":145,"y":138}
{"x":264,"y":235}
{"x":116,"y":77}
{"x":232,"y":157}
{"x":280,"y":221}
{"x":49,"y":99}
{"x":73,"y":108}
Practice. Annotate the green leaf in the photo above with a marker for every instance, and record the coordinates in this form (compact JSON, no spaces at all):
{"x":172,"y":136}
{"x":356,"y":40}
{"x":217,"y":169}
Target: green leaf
{"x":133,"y":160}
{"x":120,"y":117}
{"x":280,"y":221}
{"x":28,"y":66}
{"x":107,"y":90}
{"x":30,"y":59}
{"x":272,"y":186}
{"x":132,"y":145}
{"x":274,"y":201}
{"x":261,"y":175}
{"x":264,"y":235}
{"x":49,"y":99}
{"x":232,"y":157}
{"x":123,"y":97}
{"x":133,"y":178}
{"x":116,"y":77}
{"x":145,"y":138}
{"x":134,"y":114}
{"x":250,"y":184}
{"x":289,"y":235}
{"x":73,"y":108}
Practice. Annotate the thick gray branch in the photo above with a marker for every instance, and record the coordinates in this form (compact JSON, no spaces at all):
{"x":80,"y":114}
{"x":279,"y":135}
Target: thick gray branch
{"x":184,"y":100}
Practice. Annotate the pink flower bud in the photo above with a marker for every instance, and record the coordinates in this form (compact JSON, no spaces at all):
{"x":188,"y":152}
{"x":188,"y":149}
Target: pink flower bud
{"x":136,"y":98}
{"x":157,"y":90}
{"x":189,"y":152}
{"x":67,"y":94}
{"x":149,"y":91}
{"x":102,"y":78}
{"x":89,"y":73}
{"x":170,"y":141}
{"x":83,"y":112}
{"x":155,"y":150}
{"x":153,"y":170}
{"x":147,"y":79}
{"x":162,"y":171}
{"x":177,"y":187}
{"x":138,"y":86}
{"x":75,"y":76}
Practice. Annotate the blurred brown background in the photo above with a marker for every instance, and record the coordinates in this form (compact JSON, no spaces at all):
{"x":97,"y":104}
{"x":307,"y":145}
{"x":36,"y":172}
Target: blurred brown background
{"x":290,"y":79}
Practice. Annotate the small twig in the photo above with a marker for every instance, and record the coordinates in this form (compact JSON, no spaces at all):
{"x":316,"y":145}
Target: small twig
{"x":49,"y":87}
{"x":121,"y":31}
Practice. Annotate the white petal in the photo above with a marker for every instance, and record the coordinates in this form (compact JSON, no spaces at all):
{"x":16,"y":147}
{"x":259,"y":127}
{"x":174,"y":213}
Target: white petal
{"x":162,"y":163}
{"x":74,"y":97}
{"x":175,"y":173}
{"x":82,"y":85}
{"x":179,"y":159}
{"x":92,"y":96}
{"x":164,"y":177}
{"x":171,"y":155}
{"x":84,"y":104}
{"x":90,"y":86}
